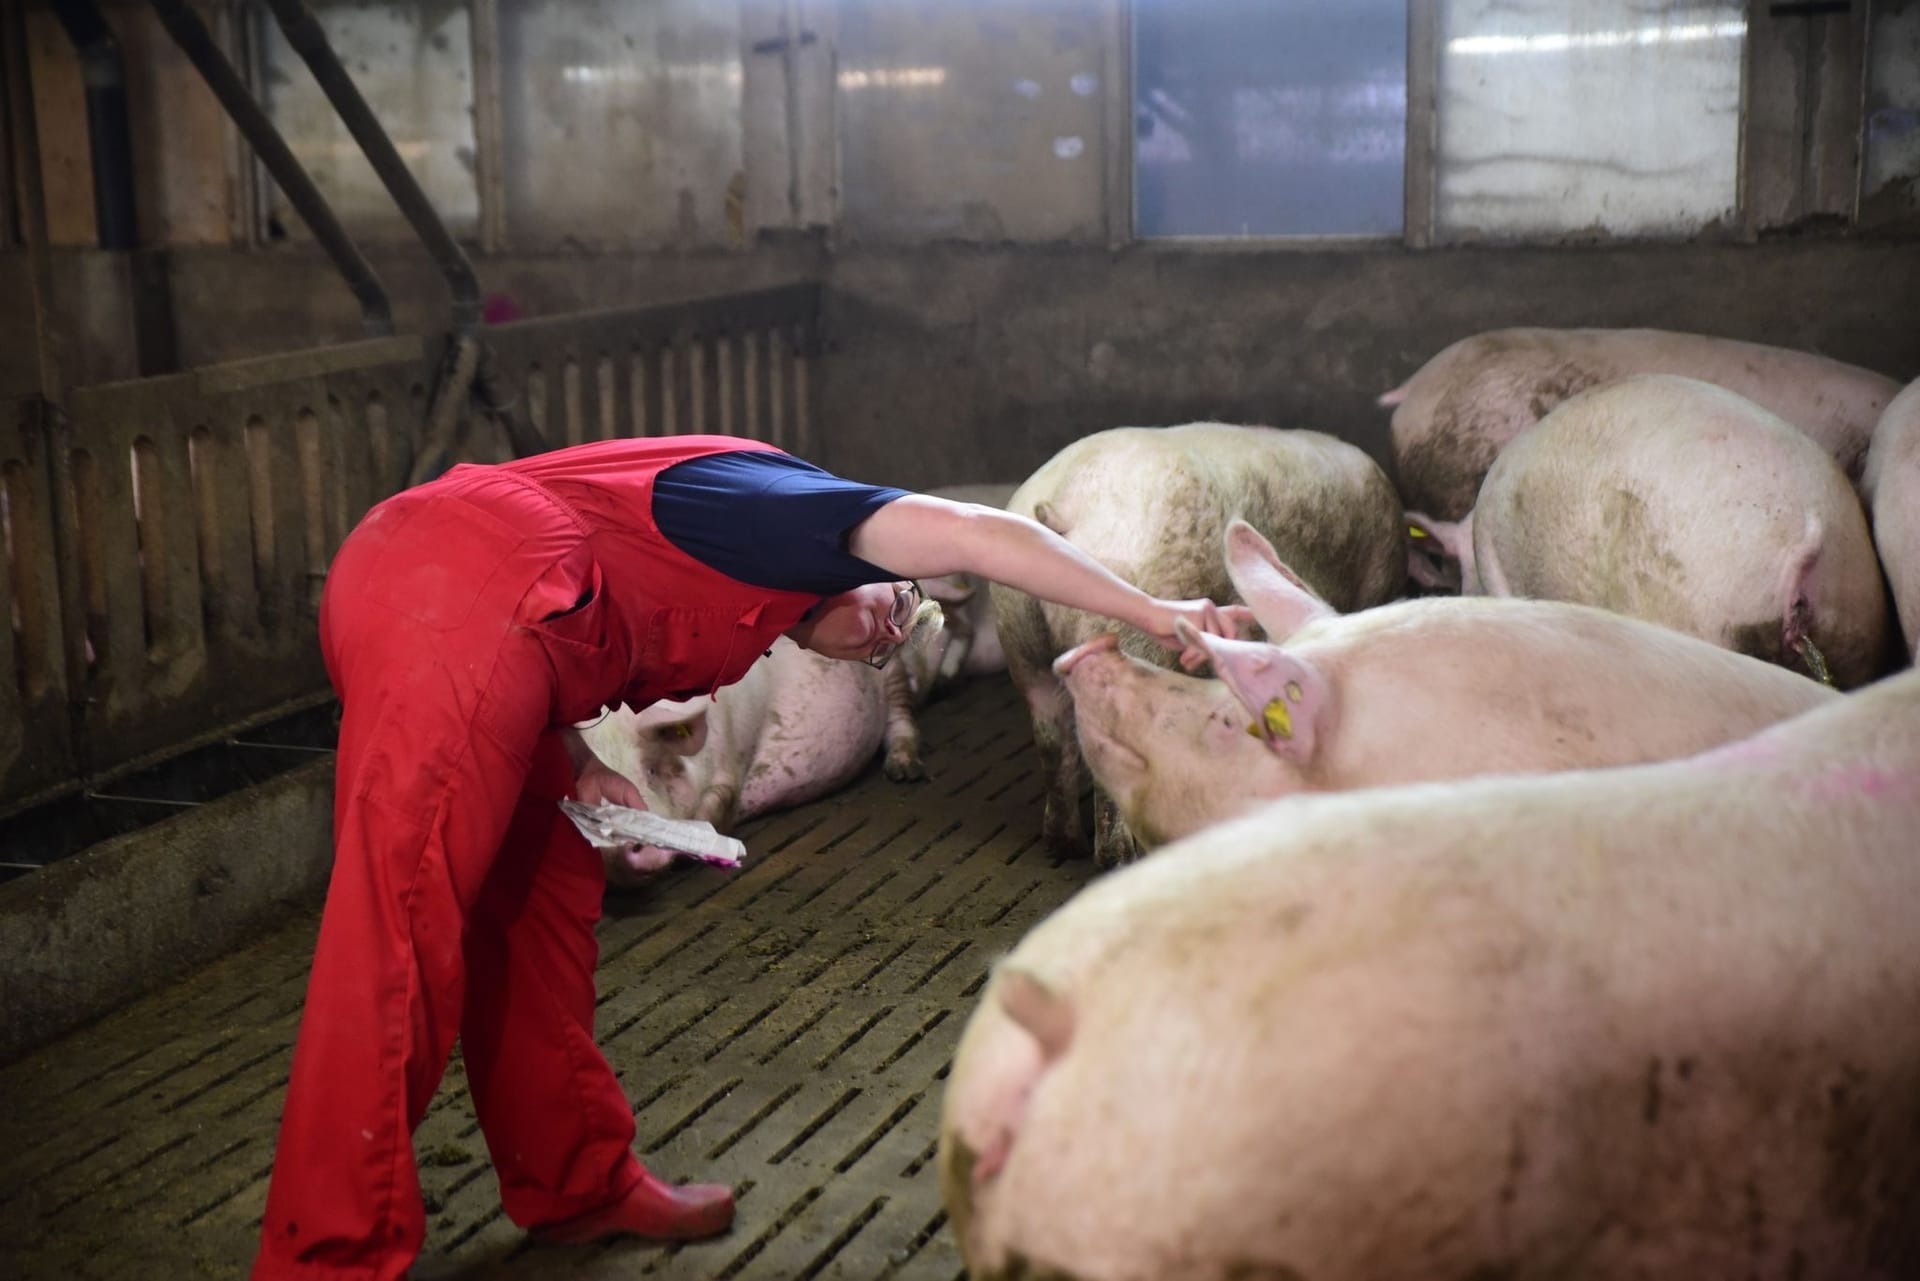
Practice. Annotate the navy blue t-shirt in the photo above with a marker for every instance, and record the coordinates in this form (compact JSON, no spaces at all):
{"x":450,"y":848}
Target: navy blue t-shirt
{"x":769,"y":519}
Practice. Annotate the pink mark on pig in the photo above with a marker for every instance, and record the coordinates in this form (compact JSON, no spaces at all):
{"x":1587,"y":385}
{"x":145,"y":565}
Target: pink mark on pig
{"x":1856,"y":781}
{"x":1739,"y":755}
{"x":993,"y":1158}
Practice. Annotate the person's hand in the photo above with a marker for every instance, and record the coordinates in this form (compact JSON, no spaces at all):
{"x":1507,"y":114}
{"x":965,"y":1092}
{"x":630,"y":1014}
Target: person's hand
{"x":1215,"y":620}
{"x":600,"y":785}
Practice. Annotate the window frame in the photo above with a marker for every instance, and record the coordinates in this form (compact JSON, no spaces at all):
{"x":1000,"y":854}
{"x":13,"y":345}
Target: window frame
{"x":1818,"y":182}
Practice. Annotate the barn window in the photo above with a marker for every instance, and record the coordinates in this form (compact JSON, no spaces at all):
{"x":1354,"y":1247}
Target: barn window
{"x":414,"y":66}
{"x":1892,"y":176}
{"x":622,"y":121}
{"x":977,"y":121}
{"x":1616,"y":117}
{"x":1270,"y":117}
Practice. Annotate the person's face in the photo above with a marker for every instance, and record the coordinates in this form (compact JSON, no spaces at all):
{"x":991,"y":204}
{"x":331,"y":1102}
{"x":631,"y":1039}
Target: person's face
{"x":867,"y":623}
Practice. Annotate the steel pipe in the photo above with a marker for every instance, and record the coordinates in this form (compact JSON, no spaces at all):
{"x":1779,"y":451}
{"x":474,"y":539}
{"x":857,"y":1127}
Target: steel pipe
{"x":184,"y":25}
{"x":304,"y":33}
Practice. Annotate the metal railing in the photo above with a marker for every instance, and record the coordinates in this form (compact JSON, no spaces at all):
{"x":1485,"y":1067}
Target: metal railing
{"x":206,"y":505}
{"x":737,"y":365}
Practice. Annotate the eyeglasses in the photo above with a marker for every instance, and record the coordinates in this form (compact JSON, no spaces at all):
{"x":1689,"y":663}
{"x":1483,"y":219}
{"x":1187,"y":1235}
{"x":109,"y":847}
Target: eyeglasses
{"x":905,"y":602}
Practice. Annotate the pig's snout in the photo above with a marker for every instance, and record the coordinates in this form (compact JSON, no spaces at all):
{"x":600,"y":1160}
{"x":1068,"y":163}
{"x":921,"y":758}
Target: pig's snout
{"x":1063,"y":666}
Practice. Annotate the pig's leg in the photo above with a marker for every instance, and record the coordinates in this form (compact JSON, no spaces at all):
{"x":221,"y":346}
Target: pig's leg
{"x":1030,"y":650}
{"x":1051,"y":709}
{"x":720,"y":801}
{"x":902,"y":735}
{"x":955,"y":658}
{"x":1113,"y":841}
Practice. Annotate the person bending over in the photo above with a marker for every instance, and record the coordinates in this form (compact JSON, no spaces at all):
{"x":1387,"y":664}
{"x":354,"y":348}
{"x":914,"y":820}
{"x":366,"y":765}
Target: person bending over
{"x":466,"y":625}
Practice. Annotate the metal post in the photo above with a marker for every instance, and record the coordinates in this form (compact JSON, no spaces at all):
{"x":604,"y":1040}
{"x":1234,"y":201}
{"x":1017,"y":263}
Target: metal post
{"x":489,"y":146}
{"x":52,"y":419}
{"x":790,"y":35}
{"x":31,"y":201}
{"x":184,"y":25}
{"x":104,"y":74}
{"x":1117,"y":124}
{"x":1422,"y":135}
{"x":303,"y":32}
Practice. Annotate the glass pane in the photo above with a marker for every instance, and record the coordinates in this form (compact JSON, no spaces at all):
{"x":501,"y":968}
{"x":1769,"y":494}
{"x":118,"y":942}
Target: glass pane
{"x":1893,"y":108}
{"x":976,"y":120}
{"x":414,"y":66}
{"x":622,"y":121}
{"x":1270,"y":117}
{"x":1612,"y":116}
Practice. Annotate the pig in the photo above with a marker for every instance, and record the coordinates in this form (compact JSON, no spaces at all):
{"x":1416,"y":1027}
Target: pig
{"x":1462,"y":407}
{"x":1592,"y":1026}
{"x":796,"y":727}
{"x":1892,"y":490}
{"x":1684,"y":504}
{"x":1151,"y":505}
{"x":969,"y":644}
{"x":1439,"y":687}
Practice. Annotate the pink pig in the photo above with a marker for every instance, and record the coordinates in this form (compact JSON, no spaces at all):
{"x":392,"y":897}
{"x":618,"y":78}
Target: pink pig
{"x":1892,"y":489}
{"x":798,"y":726}
{"x":1151,"y":504}
{"x":1434,"y":688}
{"x":1459,"y":410}
{"x":1590,"y":1026}
{"x":1684,"y":504}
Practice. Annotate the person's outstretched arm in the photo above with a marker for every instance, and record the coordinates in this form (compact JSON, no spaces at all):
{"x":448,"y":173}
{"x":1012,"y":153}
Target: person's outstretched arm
{"x":920,"y":536}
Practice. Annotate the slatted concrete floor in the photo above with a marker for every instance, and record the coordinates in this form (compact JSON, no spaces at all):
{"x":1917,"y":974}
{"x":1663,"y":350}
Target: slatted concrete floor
{"x":786,"y":1029}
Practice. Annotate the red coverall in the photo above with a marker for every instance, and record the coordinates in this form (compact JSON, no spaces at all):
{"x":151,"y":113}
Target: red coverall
{"x":464,"y":622}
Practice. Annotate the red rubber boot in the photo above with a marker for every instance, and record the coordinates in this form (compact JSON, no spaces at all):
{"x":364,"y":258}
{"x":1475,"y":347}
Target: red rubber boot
{"x":660,"y":1211}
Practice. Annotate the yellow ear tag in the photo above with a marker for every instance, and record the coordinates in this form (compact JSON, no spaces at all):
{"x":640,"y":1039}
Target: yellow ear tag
{"x":682,"y":730}
{"x":1275,"y":722}
{"x":1415,"y":531}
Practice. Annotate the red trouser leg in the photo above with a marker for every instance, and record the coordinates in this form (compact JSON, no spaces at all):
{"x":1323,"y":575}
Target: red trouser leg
{"x":556,"y":1121}
{"x":446,"y":701}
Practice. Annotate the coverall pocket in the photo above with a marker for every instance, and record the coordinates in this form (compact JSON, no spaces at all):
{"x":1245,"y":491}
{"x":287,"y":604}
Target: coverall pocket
{"x":568,"y":613}
{"x":436,"y":567}
{"x":569,"y":603}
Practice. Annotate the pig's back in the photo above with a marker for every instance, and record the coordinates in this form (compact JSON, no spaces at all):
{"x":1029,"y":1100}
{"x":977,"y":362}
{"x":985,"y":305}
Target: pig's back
{"x":1892,"y":486}
{"x":1683,"y":504}
{"x":1463,"y":406}
{"x":1153,"y":504}
{"x":1832,"y":403}
{"x":1553,"y":686}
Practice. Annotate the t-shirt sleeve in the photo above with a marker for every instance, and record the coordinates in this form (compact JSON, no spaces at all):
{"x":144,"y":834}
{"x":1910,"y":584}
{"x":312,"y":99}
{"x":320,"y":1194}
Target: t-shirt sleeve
{"x":769,"y":519}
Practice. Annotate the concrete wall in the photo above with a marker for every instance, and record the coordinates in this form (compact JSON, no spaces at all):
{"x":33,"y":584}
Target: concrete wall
{"x":229,"y":305}
{"x":94,"y":931}
{"x":948,"y":363}
{"x":951,"y":364}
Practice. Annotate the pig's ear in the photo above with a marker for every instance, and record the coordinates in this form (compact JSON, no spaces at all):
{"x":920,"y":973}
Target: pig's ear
{"x":950,"y":589}
{"x":685,"y":736}
{"x":1285,"y":696}
{"x":1045,"y":1015}
{"x":1438,"y":551}
{"x":1279,"y":598}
